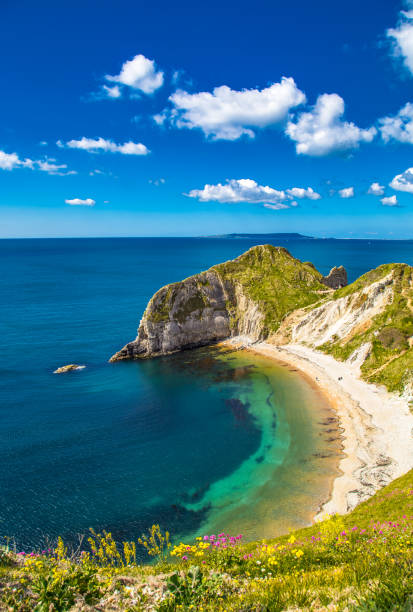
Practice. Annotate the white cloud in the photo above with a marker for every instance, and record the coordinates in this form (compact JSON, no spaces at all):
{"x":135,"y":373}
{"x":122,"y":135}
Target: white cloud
{"x":157,"y":182}
{"x":389,"y":201}
{"x":248,"y":190}
{"x":403,"y":181}
{"x":160,"y":118}
{"x":100,"y":144}
{"x":322,"y":130}
{"x":402,"y":38}
{"x":80,"y":202}
{"x":228,"y":114}
{"x":299,"y":192}
{"x":112,"y":92}
{"x":348,"y":192}
{"x":376,"y":189}
{"x":279,"y":206}
{"x":50,"y":167}
{"x":398,"y":127}
{"x":139,"y":73}
{"x":10,"y":161}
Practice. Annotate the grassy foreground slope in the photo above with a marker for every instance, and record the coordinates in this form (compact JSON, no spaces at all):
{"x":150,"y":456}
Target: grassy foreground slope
{"x":361,"y":561}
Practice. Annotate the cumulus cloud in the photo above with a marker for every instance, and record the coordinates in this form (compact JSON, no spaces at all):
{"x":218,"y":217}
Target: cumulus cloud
{"x":300,"y":192}
{"x":403,"y":181}
{"x":402,"y":39}
{"x":248,"y":190}
{"x":322,"y":130}
{"x":10,"y":161}
{"x":398,"y":127}
{"x":389,"y":201}
{"x":239,"y":190}
{"x":95,"y":145}
{"x":376,"y":189}
{"x":80,"y":202}
{"x":228,"y":114}
{"x":139,"y":73}
{"x":348,"y":192}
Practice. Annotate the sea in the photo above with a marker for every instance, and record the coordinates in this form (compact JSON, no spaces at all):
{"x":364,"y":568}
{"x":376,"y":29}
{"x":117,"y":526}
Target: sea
{"x":200,"y":442}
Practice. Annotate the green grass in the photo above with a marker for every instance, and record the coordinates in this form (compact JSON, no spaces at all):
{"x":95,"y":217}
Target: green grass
{"x":274,"y":280}
{"x":362,"y":561}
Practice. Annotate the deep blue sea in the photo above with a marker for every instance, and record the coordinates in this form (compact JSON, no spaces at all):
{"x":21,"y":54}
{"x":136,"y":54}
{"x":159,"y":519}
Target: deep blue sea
{"x":181,"y":440}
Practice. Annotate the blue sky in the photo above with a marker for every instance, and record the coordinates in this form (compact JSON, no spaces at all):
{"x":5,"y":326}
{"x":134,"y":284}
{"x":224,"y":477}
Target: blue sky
{"x":174,"y":119}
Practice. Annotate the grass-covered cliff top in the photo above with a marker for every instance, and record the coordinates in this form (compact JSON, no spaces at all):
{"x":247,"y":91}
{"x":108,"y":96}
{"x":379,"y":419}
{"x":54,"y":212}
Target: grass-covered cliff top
{"x":273,"y":279}
{"x":362,"y":561}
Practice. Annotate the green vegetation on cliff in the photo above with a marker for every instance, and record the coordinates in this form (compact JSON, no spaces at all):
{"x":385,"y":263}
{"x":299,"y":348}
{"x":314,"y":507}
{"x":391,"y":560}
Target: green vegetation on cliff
{"x":274,"y":280}
{"x":362,"y":561}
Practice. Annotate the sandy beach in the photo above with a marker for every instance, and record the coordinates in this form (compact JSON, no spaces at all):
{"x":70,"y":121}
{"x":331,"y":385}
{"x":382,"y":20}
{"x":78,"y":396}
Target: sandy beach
{"x":377,"y":427}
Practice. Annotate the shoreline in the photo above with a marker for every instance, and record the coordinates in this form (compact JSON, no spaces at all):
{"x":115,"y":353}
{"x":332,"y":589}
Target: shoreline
{"x":377,"y":426}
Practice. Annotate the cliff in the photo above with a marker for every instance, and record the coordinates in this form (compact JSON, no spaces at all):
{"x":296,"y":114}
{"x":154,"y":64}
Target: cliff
{"x":249,"y":295}
{"x":368,"y":324}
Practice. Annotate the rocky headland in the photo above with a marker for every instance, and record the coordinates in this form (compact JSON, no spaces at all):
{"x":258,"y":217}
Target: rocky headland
{"x":355,"y":341}
{"x":249,"y":296}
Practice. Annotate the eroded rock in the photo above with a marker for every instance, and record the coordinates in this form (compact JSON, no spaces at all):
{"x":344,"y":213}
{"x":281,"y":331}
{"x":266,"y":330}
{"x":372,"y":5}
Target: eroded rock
{"x":337,"y":278}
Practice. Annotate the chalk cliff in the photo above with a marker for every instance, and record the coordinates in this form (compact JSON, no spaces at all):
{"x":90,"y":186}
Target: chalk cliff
{"x":246,"y":296}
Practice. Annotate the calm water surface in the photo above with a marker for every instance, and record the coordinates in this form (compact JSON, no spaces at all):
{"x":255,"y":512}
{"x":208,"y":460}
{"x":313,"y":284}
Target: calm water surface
{"x":198,"y":441}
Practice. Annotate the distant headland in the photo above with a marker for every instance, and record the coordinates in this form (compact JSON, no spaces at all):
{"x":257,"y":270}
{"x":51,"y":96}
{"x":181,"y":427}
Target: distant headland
{"x":271,"y":236}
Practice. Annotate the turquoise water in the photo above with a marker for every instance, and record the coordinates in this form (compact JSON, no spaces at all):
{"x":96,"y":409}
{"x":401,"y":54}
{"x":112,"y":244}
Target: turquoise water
{"x":196,"y":441}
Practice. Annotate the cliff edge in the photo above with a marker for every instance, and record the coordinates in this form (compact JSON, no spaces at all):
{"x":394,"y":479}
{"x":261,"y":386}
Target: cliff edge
{"x":249,"y":295}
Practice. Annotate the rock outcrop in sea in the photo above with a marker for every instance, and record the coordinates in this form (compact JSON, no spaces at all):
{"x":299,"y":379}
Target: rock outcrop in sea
{"x":68,"y":368}
{"x":336,"y":278}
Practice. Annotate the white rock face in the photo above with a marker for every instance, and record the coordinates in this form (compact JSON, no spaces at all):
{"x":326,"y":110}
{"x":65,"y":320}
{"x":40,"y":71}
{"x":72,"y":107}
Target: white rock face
{"x":250,"y":323}
{"x":194,"y":312}
{"x":338,"y":318}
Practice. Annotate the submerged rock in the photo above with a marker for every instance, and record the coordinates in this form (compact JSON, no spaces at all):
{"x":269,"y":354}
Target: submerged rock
{"x":68,"y":368}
